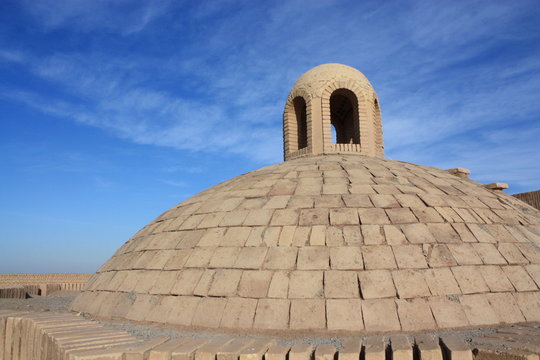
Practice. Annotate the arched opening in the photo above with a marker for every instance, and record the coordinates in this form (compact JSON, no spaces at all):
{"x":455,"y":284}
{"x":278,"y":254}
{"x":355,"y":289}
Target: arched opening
{"x":301,"y":121}
{"x":344,"y":117}
{"x":377,"y":126}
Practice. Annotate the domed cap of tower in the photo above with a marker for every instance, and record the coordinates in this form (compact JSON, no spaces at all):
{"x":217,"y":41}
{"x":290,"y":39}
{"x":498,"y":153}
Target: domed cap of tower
{"x":332,"y":97}
{"x":315,"y":81}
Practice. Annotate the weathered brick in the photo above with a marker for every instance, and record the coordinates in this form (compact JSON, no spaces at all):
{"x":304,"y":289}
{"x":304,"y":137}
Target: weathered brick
{"x":417,"y":233}
{"x":236,"y":236}
{"x":224,"y":257}
{"x":200,"y":257}
{"x":448,"y":312}
{"x":410,"y":283}
{"x":254,"y":283}
{"x":318,"y":216}
{"x":212,"y":237}
{"x":277,"y":202}
{"x":279,"y":285}
{"x":373,"y":216}
{"x":438,"y":255}
{"x":251,"y":257}
{"x":306,"y":284}
{"x":301,"y":352}
{"x":286,"y":236}
{"x":372,"y":234}
{"x":495,"y":278}
{"x":357,"y":201}
{"x":272,"y":314}
{"x":209,"y":312}
{"x":380,"y":315}
{"x":344,"y":314}
{"x":441,"y":282}
{"x":511,"y":253}
{"x":308,"y":314}
{"x":313,"y":258}
{"x":340,"y":284}
{"x":259,"y":217}
{"x":529,"y":304}
{"x":519,"y":278}
{"x":427,"y":215}
{"x":401,"y":216}
{"x":378,"y":257}
{"x":280,"y":258}
{"x":394,"y":236}
{"x":346,"y":258}
{"x":415,"y":315}
{"x":470,"y":279}
{"x":344,"y":216}
{"x":505,"y":307}
{"x":384,"y":201}
{"x":301,"y":236}
{"x":284,"y":217}
{"x":238,"y":313}
{"x":225,"y":282}
{"x":464,"y":254}
{"x":444,"y":233}
{"x":376,"y":284}
{"x":234,"y":218}
{"x":409,"y":257}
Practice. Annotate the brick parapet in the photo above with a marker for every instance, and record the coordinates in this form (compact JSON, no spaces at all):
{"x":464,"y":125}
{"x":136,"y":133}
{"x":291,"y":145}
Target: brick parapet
{"x":34,"y":335}
{"x":29,"y":279}
{"x":40,"y":284}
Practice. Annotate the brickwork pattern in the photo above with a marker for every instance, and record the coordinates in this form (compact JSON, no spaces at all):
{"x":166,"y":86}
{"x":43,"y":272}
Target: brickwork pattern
{"x":21,"y":285}
{"x":31,"y":279}
{"x":316,"y":87}
{"x":330,"y":243}
{"x":532,"y":198}
{"x":26,"y":336}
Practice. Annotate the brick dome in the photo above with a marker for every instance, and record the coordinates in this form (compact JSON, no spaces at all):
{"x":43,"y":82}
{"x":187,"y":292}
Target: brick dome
{"x":334,"y":239}
{"x":335,"y":242}
{"x":314,"y":81}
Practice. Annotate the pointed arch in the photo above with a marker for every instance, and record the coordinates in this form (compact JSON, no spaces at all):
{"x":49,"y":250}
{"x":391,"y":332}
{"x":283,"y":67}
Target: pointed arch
{"x":297,"y":125}
{"x":344,"y":116}
{"x":300,"y":111}
{"x":377,"y":126}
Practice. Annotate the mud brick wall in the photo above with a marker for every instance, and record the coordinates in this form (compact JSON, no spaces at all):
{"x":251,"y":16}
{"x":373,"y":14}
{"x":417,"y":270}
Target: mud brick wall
{"x":532,"y":198}
{"x":40,"y":284}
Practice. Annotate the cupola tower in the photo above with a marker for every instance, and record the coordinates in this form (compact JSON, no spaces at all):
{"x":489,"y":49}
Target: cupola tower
{"x":332,"y":108}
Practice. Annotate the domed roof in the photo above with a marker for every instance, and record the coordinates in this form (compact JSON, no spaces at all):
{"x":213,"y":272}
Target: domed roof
{"x":330,"y":243}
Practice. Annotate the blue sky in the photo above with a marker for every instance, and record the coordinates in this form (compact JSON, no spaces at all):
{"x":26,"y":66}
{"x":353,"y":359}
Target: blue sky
{"x":111,"y":112}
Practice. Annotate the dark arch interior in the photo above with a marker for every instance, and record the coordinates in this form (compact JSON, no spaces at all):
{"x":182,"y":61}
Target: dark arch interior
{"x":344,"y":117}
{"x":301,"y":121}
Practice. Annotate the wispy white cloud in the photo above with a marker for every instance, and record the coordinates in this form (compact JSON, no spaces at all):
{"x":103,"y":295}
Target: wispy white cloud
{"x":12,"y":56}
{"x":439,"y":69}
{"x":122,"y":16}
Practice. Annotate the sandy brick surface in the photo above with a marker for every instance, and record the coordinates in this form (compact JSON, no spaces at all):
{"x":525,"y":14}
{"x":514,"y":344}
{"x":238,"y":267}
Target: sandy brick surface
{"x":283,"y":246}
